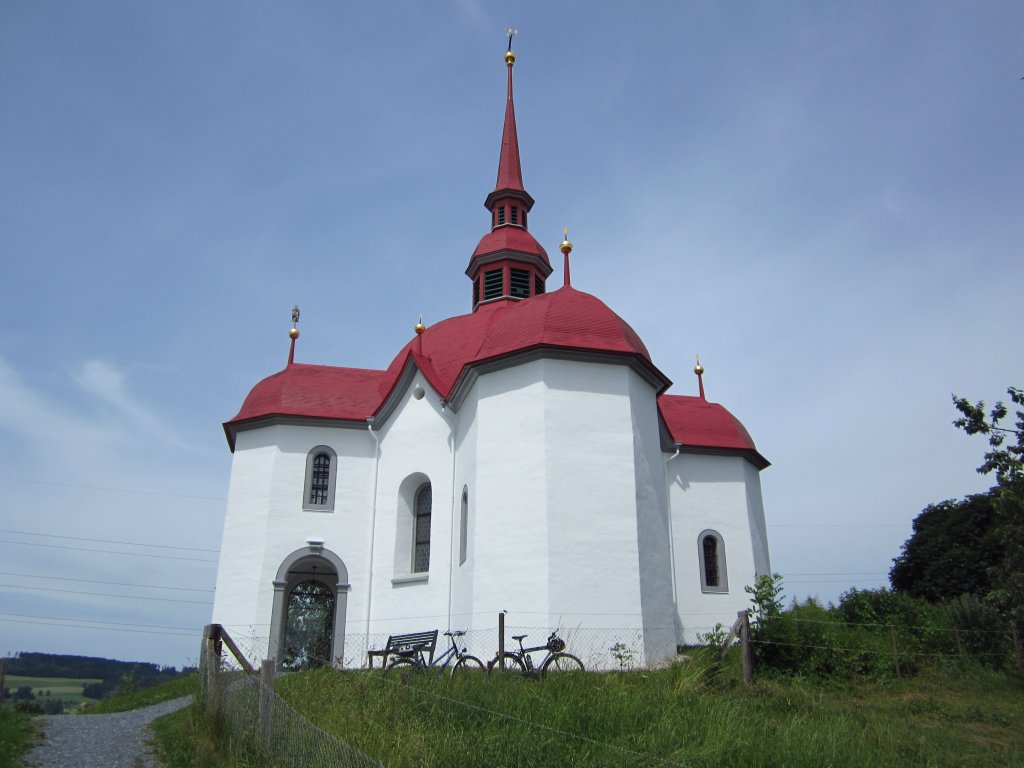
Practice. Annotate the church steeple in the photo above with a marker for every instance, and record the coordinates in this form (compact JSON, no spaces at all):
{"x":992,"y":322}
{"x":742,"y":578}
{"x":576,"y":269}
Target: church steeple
{"x":508,"y":264}
{"x":510,"y":171}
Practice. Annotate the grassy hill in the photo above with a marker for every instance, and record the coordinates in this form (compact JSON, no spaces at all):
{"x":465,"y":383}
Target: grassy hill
{"x":697,"y":714}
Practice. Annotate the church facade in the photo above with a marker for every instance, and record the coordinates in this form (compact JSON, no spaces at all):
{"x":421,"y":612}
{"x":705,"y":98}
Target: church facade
{"x":524,"y":457}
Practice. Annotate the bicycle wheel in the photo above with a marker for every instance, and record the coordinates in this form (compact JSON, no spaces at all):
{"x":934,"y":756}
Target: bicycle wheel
{"x":562,"y":662}
{"x":513,"y":665}
{"x":401,"y":669}
{"x":468,"y":666}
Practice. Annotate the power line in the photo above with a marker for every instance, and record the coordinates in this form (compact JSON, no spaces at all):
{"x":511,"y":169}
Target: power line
{"x":838,"y":525}
{"x":837,"y":573}
{"x":106,"y":629}
{"x":113,"y":490}
{"x":107,"y":541}
{"x":97,"y":621}
{"x":110,"y":583}
{"x":107,"y":594}
{"x":109,"y":551}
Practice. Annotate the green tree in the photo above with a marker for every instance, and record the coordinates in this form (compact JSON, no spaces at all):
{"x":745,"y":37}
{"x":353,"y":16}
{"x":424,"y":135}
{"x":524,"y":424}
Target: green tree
{"x":950,"y":550}
{"x":1005,"y":459}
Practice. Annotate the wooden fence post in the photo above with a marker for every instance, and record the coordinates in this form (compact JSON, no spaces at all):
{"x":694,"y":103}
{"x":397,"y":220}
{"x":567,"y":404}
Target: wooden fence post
{"x":895,"y":649}
{"x":212,"y":655}
{"x":501,"y":640}
{"x":1017,"y":648}
{"x":746,"y":649}
{"x":267,"y":671}
{"x":960,"y":647}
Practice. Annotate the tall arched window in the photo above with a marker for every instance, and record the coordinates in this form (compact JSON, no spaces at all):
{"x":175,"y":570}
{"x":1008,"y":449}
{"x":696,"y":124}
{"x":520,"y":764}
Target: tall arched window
{"x":421,"y":530}
{"x":321,"y":473}
{"x":713,"y":573}
{"x":464,"y":525}
{"x":320,"y":480}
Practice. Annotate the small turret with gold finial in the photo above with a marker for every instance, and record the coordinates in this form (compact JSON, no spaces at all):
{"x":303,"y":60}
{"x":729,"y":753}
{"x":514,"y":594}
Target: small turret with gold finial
{"x":293,"y":334}
{"x":699,"y":370}
{"x":566,"y":249}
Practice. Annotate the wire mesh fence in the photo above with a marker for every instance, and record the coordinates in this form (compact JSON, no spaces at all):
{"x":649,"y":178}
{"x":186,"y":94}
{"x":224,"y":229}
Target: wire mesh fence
{"x":599,"y":648}
{"x":265,"y":725}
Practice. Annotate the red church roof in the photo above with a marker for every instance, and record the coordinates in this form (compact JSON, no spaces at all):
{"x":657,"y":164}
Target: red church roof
{"x":693,"y":422}
{"x":565,"y":322}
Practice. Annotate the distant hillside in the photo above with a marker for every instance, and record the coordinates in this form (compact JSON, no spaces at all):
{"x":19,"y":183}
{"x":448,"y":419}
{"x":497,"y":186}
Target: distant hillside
{"x":110,"y":672}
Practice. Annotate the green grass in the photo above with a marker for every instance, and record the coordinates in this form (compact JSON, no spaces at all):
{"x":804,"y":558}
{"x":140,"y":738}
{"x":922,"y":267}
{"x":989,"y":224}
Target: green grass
{"x":16,"y":737}
{"x":188,"y":739}
{"x":128,"y":700}
{"x":69,"y":689}
{"x":695,"y":715}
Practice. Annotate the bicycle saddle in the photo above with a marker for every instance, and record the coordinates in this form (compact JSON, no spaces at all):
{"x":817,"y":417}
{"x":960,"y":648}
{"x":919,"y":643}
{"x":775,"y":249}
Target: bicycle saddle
{"x":518,"y":637}
{"x":457,"y":633}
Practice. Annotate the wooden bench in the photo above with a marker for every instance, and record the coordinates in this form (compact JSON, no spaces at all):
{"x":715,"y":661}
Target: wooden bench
{"x":398,"y":645}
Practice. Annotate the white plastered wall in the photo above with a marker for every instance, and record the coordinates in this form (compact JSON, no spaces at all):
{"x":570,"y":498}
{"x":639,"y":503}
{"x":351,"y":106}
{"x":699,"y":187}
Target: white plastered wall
{"x":265,"y":521}
{"x":720,"y":493}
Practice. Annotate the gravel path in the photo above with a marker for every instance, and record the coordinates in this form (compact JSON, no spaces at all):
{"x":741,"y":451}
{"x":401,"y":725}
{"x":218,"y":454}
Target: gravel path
{"x":100,"y":741}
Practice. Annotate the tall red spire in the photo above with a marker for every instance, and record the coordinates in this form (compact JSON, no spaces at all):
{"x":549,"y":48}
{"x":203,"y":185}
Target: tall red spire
{"x":510,"y":170}
{"x":508,"y":263}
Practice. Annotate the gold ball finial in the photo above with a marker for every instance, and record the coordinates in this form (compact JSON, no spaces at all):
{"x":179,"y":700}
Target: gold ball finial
{"x":419,"y":327}
{"x":510,"y":58}
{"x":566,"y":246}
{"x":293,"y":333}
{"x":698,"y":369}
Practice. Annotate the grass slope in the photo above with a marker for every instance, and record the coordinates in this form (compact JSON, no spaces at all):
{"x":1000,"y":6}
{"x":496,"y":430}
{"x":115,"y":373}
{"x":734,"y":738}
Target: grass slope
{"x":693,"y":715}
{"x":129,"y":700}
{"x":685,"y":716}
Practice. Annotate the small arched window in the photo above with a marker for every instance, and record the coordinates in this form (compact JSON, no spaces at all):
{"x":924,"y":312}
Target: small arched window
{"x":421,"y":530}
{"x":464,"y":525}
{"x":713,"y":573}
{"x":321,"y":473}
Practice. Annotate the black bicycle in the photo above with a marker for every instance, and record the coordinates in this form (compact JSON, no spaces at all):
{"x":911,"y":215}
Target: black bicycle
{"x":521,"y":662}
{"x":412,"y":659}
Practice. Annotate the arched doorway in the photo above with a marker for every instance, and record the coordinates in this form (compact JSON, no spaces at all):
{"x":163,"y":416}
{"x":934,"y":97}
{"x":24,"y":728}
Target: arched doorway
{"x":307,"y":625}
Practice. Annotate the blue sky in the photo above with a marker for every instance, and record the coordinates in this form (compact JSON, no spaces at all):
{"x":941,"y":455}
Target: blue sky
{"x":823,"y":200}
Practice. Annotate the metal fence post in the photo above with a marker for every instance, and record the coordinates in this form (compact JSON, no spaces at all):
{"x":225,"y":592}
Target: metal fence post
{"x":501,"y":640}
{"x":267,"y":670}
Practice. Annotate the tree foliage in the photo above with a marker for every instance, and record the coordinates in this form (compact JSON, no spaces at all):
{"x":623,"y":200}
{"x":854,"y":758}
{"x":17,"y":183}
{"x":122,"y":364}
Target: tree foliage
{"x":950,"y":550}
{"x":1005,"y":459}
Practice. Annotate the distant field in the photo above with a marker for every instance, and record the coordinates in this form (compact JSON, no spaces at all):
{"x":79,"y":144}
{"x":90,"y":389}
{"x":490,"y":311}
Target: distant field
{"x":64,"y":688}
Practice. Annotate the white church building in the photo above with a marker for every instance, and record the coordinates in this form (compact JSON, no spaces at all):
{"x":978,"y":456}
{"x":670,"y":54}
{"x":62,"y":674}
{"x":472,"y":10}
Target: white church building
{"x":525,"y":457}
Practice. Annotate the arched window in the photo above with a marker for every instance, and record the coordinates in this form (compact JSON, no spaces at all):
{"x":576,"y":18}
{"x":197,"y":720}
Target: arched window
{"x":713,"y":573}
{"x":464,"y":525}
{"x":421,"y":530}
{"x":321,"y":473}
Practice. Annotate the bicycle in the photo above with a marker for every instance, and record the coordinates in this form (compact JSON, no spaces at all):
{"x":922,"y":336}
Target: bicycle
{"x":412,"y":659}
{"x":521,"y":662}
